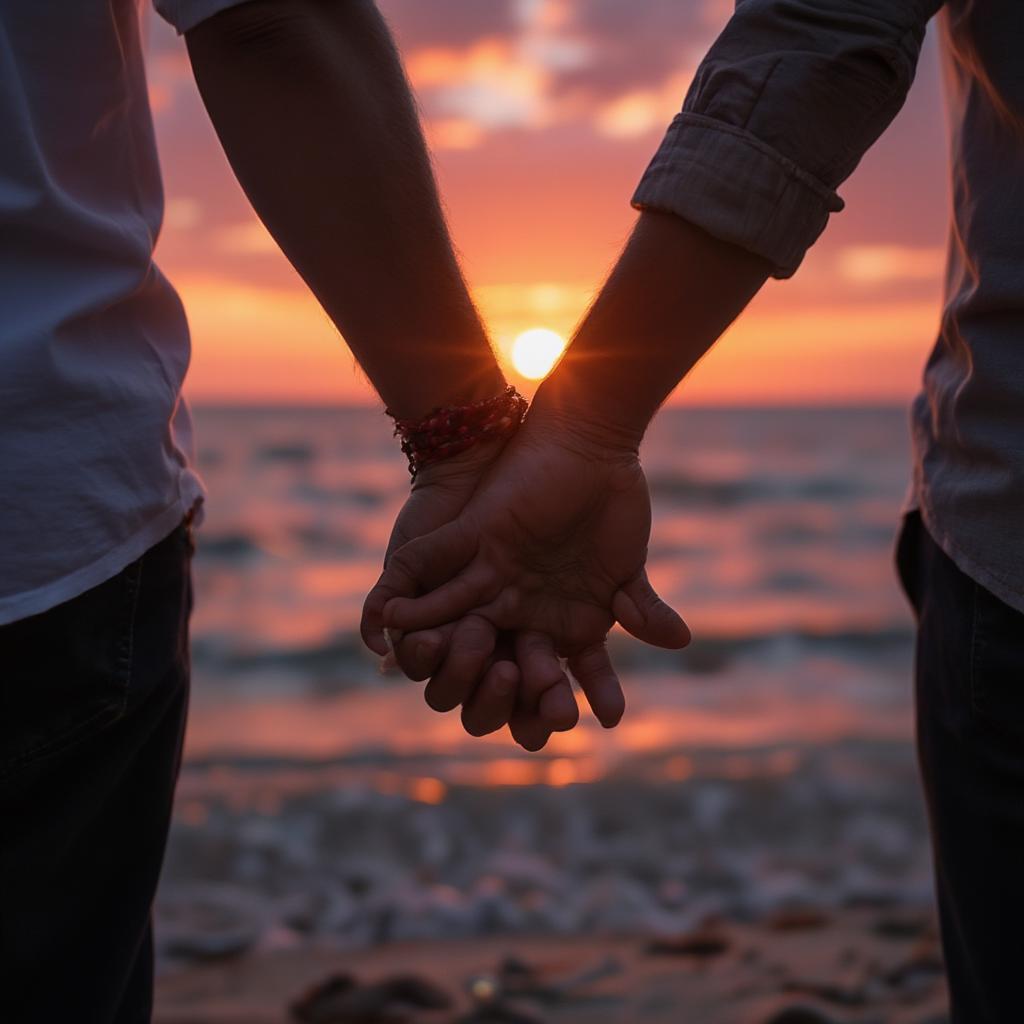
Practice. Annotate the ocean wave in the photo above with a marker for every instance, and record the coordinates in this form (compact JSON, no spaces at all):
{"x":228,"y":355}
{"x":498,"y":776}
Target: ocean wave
{"x":691,"y":490}
{"x":231,"y":547}
{"x":343,"y":658}
{"x":221,"y":655}
{"x":710,"y":653}
{"x":307,"y":492}
{"x":285,"y":451}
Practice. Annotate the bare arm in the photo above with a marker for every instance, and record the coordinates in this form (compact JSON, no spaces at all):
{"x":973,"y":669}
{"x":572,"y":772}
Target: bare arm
{"x":787,"y":100}
{"x":314,"y":112}
{"x":317,"y":119}
{"x":673,"y":292}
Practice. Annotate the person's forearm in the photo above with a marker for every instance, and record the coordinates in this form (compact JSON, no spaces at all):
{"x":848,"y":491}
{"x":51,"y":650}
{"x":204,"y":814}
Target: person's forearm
{"x":672,"y":293}
{"x":316,"y":117}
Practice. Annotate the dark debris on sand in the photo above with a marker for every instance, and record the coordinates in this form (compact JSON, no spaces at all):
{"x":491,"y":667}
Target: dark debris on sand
{"x":400,"y":999}
{"x":864,"y":967}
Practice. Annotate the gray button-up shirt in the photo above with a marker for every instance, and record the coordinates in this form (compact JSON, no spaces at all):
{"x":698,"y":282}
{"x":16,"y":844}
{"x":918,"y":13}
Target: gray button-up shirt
{"x":786,"y":102}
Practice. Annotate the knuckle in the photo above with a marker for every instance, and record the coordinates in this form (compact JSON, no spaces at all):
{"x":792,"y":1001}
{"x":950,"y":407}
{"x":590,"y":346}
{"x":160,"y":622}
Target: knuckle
{"x":533,"y":643}
{"x":474,"y":641}
{"x":508,"y":604}
{"x":466,"y":588}
{"x":375,"y":601}
{"x":468,"y":656}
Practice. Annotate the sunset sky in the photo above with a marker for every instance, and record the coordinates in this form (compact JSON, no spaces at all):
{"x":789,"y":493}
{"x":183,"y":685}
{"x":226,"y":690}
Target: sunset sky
{"x":542,"y":115}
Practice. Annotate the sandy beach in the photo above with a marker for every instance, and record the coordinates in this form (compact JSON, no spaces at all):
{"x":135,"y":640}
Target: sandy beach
{"x":792,"y":888}
{"x":863,"y":966}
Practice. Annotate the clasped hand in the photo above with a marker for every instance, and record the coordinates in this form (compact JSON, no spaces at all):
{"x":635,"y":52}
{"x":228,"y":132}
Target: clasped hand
{"x":501,"y":565}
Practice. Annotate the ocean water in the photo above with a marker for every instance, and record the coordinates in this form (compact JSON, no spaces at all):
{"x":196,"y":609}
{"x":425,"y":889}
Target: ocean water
{"x":769,"y":763}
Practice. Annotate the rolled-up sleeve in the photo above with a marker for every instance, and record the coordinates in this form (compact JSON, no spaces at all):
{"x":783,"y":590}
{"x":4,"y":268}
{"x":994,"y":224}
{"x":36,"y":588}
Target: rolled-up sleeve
{"x":786,"y":102}
{"x":186,"y":14}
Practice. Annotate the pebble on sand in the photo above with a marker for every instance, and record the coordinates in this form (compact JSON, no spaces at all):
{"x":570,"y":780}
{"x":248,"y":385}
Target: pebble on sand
{"x":340,"y":999}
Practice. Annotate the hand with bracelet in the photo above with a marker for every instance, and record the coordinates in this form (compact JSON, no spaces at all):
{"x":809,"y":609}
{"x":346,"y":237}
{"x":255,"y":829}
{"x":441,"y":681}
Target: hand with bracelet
{"x":482,"y":670}
{"x":553,"y":542}
{"x":580,"y":531}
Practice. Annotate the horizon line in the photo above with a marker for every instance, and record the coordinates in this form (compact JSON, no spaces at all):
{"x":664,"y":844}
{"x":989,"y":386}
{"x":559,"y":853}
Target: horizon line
{"x":324,"y":405}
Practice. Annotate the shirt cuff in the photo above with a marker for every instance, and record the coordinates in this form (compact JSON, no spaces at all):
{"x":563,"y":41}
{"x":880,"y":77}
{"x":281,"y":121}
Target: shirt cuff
{"x":738,"y":189}
{"x":186,"y":14}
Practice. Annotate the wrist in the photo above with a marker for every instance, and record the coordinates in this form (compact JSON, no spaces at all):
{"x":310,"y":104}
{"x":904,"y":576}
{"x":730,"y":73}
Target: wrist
{"x":439,"y":382}
{"x":451,"y":431}
{"x":465,"y":467}
{"x":583,"y":421}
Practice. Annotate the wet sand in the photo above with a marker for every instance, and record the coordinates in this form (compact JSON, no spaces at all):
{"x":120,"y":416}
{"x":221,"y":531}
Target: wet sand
{"x":855,"y":966}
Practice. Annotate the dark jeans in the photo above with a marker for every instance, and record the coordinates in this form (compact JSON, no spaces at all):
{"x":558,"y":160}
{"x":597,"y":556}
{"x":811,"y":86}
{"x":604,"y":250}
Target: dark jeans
{"x":970,"y":734}
{"x":93,"y":696}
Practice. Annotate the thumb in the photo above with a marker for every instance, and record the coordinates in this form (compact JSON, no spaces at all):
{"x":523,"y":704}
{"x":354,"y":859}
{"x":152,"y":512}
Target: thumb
{"x":414,"y":568}
{"x":641,"y":612}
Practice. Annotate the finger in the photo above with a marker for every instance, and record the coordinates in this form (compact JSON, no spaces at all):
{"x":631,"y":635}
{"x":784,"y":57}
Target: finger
{"x":371,"y":623}
{"x":465,"y":664}
{"x":492,"y":703}
{"x":472,"y":588}
{"x":641,"y":612}
{"x":593,"y":670}
{"x":557,"y":707}
{"x":546,"y":703}
{"x":505,"y":611}
{"x":528,"y":730}
{"x":420,"y":654}
{"x":539,"y":667}
{"x":417,"y":566}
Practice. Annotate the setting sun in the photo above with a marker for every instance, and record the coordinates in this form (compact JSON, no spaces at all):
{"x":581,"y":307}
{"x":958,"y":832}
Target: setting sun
{"x":535,"y":351}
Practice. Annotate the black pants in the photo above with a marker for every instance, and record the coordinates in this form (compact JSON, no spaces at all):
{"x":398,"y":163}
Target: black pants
{"x":970,"y":734}
{"x":93,"y":696}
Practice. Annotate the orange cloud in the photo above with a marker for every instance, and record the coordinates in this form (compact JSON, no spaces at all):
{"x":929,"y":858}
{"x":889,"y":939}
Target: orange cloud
{"x":265,"y":343}
{"x":182,"y":213}
{"x":453,"y":133}
{"x":879,"y":264}
{"x":643,"y":111}
{"x":850,"y":352}
{"x":247,"y":238}
{"x":490,"y":84}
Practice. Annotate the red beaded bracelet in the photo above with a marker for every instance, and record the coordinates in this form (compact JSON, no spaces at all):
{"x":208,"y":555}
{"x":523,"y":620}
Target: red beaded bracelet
{"x":452,"y":429}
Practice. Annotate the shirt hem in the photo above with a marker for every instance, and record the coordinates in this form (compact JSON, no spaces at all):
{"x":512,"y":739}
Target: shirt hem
{"x":42,"y":599}
{"x":967,"y":564}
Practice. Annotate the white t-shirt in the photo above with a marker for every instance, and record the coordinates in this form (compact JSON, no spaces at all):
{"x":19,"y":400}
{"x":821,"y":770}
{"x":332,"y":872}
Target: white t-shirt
{"x":95,"y":440}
